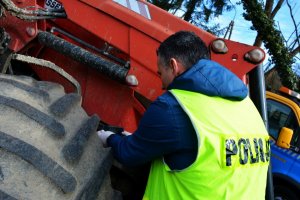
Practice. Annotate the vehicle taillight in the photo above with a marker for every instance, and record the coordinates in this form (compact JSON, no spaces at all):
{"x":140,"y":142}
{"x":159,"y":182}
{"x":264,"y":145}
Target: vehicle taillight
{"x":255,"y":56}
{"x":219,"y":46}
{"x":131,"y":80}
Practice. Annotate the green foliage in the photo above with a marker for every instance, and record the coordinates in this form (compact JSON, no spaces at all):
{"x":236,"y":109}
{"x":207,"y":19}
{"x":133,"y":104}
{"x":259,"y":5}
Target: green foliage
{"x":198,"y":12}
{"x":273,"y":41}
{"x":166,"y":5}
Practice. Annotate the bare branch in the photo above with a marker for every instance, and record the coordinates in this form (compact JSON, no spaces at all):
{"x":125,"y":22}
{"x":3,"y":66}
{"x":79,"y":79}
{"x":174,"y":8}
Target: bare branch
{"x":293,"y":44}
{"x":179,"y":4}
{"x":276,"y":9}
{"x":268,"y":7}
{"x":294,"y":22}
{"x":190,"y":7}
{"x":258,"y":41}
{"x":295,"y":51}
{"x":291,"y":35}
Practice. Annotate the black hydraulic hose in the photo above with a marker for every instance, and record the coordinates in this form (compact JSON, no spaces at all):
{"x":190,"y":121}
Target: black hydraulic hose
{"x":83,"y":56}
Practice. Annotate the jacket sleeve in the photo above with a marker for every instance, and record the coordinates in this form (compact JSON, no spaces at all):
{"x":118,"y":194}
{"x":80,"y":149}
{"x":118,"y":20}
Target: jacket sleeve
{"x":155,"y":137}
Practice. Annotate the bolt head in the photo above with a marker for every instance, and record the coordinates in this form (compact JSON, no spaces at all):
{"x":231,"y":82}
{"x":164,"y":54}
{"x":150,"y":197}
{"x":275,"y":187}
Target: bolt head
{"x":30,"y":31}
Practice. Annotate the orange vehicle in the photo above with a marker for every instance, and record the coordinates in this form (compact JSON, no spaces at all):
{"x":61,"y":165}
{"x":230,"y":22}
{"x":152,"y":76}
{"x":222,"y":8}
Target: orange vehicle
{"x":284,"y":120}
{"x":68,"y":66}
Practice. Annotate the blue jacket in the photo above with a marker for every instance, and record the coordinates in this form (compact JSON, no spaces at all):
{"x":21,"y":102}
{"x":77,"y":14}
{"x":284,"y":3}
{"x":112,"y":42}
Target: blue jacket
{"x":165,"y":129}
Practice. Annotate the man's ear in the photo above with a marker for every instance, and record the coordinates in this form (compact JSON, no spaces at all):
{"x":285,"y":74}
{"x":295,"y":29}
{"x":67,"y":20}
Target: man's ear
{"x":176,"y":67}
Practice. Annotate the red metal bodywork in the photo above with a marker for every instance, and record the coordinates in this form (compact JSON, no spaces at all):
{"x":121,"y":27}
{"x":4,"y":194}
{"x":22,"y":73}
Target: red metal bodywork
{"x":21,"y":32}
{"x":133,"y":37}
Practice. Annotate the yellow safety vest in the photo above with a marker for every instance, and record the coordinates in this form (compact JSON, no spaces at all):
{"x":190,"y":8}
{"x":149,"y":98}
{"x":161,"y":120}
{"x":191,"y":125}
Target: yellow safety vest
{"x":233,"y":153}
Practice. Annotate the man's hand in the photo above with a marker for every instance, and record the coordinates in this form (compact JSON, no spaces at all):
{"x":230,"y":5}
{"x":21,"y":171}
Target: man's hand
{"x":103,"y":135}
{"x":126,"y":133}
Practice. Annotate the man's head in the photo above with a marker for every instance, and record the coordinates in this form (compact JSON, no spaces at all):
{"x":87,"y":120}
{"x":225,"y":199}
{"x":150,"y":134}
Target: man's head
{"x":178,"y":53}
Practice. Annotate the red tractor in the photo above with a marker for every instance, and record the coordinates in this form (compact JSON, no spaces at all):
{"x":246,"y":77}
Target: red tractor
{"x":68,"y":67}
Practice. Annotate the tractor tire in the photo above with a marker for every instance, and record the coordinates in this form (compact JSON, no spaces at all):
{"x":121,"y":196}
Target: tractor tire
{"x":48,"y":144}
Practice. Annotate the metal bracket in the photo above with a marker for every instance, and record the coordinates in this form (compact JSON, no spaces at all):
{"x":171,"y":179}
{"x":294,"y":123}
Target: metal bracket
{"x":50,"y":65}
{"x":5,"y":61}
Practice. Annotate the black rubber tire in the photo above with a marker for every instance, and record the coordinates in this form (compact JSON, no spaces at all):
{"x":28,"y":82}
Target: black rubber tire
{"x":282,"y":192}
{"x":48,"y":144}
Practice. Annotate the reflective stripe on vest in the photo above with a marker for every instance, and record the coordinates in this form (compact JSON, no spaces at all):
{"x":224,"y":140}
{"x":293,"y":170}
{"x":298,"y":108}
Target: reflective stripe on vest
{"x":233,"y":153}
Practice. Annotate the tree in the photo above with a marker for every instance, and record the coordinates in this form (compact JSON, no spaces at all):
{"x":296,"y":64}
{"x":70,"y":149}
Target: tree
{"x":282,"y":54}
{"x":261,"y":13}
{"x":197,"y":12}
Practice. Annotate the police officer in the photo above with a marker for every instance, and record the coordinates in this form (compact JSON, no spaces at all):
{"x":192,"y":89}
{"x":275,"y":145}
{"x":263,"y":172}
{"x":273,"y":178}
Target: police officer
{"x":204,"y":136}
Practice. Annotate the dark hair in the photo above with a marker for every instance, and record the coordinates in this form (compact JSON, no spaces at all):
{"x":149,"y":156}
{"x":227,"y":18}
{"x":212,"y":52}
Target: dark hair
{"x":185,"y":46}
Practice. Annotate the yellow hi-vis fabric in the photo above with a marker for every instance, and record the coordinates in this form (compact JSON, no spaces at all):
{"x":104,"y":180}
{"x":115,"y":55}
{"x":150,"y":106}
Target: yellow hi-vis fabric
{"x":233,"y":153}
